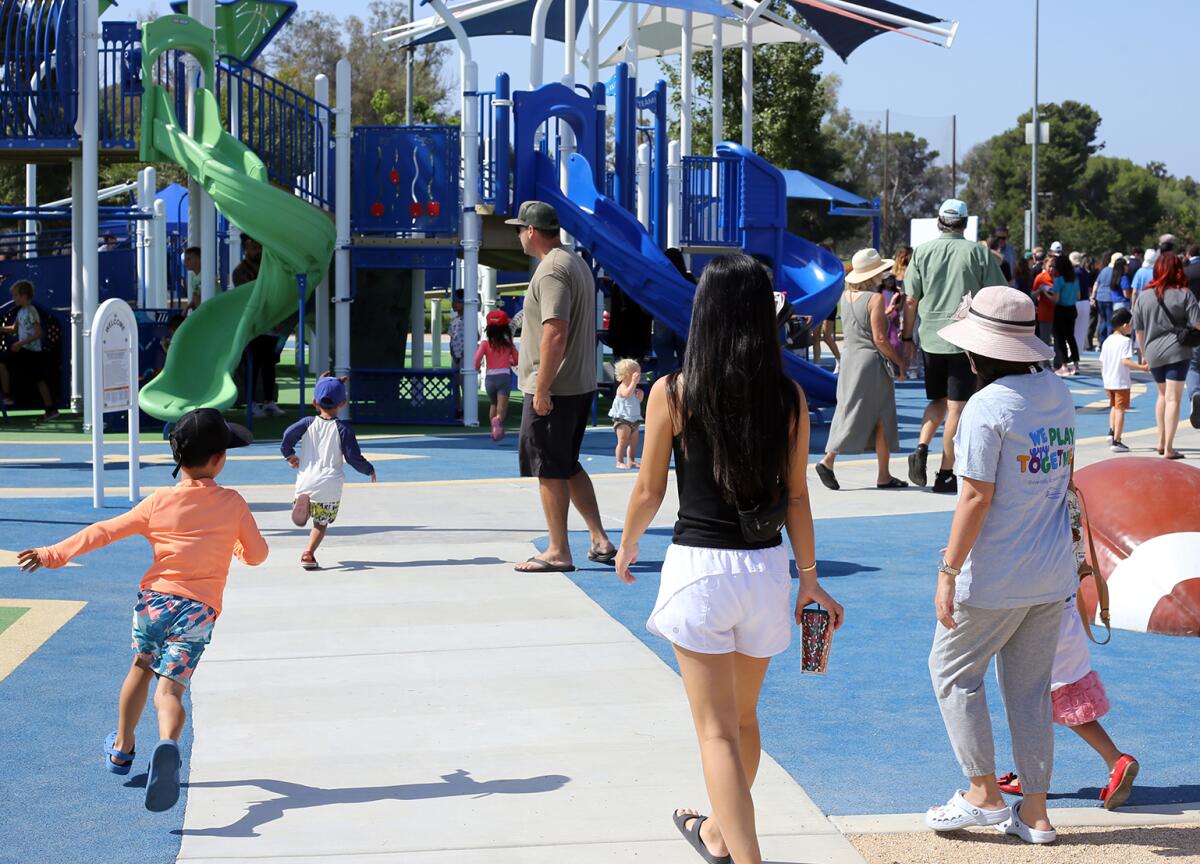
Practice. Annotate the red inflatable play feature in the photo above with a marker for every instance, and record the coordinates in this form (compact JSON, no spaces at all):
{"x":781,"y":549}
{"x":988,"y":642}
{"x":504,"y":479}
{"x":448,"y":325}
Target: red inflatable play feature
{"x":1144,"y":515}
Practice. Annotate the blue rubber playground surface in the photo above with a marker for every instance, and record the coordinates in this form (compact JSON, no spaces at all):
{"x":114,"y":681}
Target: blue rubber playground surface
{"x":867,"y":737}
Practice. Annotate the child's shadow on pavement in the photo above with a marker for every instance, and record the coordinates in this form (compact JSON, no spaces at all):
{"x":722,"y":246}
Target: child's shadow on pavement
{"x":296,"y":796}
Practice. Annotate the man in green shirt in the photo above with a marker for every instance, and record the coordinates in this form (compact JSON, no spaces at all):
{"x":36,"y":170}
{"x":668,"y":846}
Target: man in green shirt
{"x":557,"y":376}
{"x":943,"y":271}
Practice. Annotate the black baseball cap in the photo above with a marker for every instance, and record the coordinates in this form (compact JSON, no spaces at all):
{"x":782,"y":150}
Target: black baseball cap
{"x":202,"y":433}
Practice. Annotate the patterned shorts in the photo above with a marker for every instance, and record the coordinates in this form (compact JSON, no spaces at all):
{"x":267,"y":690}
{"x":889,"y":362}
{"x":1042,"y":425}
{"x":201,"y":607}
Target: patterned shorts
{"x":323,"y":514}
{"x":170,"y":633}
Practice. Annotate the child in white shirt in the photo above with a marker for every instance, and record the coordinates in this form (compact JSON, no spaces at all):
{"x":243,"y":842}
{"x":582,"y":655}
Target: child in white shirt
{"x":326,"y":442}
{"x":1116,"y":359}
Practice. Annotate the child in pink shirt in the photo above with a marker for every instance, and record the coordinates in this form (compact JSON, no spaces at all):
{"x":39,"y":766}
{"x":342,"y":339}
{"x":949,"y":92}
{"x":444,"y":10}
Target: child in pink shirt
{"x":501,"y":356}
{"x":195,"y":528}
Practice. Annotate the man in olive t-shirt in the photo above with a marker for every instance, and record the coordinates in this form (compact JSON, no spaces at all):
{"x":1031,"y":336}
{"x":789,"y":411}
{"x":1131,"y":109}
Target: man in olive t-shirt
{"x":557,"y":376}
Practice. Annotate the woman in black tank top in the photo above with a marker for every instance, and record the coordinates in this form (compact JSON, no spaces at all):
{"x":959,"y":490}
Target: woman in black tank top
{"x":738,"y":430}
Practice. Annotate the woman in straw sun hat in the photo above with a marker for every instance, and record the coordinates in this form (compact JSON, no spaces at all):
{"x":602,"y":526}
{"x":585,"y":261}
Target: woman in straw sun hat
{"x":865,"y":418}
{"x":1008,"y":565}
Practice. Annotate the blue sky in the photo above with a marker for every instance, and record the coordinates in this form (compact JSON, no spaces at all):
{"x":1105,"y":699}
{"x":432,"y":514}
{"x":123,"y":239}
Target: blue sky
{"x":987,"y":77}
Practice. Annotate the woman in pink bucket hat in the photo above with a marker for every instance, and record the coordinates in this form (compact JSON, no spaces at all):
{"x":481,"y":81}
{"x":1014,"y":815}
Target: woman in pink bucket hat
{"x":1008,"y":567}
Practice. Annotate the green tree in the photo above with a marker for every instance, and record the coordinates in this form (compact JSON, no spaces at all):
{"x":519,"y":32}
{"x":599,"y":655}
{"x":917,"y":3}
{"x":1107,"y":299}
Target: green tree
{"x":315,"y":41}
{"x":915,"y":183}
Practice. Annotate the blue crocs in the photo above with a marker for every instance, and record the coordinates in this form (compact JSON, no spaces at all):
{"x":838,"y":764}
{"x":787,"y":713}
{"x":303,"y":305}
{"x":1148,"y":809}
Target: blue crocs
{"x":162,"y":785}
{"x":111,"y":752}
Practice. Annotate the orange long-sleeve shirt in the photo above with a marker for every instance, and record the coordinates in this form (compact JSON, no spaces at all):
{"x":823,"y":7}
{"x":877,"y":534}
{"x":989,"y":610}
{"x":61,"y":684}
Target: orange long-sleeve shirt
{"x":195,"y":527}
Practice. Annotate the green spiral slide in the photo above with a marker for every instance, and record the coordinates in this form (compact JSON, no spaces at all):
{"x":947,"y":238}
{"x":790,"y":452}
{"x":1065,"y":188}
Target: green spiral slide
{"x":296,"y":237}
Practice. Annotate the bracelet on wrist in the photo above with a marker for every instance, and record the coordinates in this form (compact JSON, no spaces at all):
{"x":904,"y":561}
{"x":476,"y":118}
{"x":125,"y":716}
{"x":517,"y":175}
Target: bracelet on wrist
{"x":948,"y":570}
{"x":811,"y":568}
{"x":906,"y":338}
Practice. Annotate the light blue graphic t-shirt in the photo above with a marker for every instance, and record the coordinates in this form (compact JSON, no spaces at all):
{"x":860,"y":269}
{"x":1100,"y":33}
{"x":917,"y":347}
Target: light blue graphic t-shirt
{"x":1019,"y":433}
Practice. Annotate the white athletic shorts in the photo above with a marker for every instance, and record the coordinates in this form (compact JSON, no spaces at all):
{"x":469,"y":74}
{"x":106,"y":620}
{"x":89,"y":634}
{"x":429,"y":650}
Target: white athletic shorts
{"x":714,"y":601}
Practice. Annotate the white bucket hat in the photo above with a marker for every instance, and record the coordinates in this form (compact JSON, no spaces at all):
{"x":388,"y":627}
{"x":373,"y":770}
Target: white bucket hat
{"x":1001,"y":323}
{"x":867,"y":264}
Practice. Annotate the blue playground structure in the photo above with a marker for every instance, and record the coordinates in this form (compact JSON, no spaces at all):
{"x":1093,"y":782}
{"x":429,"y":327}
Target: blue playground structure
{"x":417,"y":210}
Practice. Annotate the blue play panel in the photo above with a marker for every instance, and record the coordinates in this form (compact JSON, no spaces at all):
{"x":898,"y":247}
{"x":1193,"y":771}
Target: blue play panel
{"x":868,"y":737}
{"x":59,"y":803}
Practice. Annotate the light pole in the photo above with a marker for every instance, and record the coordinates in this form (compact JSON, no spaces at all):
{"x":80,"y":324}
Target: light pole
{"x":1037,"y":133}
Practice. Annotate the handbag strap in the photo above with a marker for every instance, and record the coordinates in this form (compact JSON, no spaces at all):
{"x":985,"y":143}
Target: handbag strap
{"x":1167,"y":312}
{"x":1097,"y":580}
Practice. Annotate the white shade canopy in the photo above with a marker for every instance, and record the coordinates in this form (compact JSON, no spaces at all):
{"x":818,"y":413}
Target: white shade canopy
{"x":660,"y":34}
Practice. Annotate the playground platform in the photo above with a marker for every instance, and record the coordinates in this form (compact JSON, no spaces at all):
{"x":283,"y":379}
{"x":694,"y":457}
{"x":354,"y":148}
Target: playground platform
{"x":418,"y":701}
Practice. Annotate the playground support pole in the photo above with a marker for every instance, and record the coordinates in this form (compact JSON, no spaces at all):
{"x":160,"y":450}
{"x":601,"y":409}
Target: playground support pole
{"x":140,"y":242}
{"x":204,"y":11}
{"x":718,"y":85}
{"x":747,"y":85}
{"x":537,"y":43}
{"x":566,"y":133}
{"x":660,"y":180}
{"x":685,"y":85}
{"x":31,"y":225}
{"x":341,"y":211}
{"x":88,"y":212}
{"x":79,"y":380}
{"x":435,"y":330}
{"x":320,"y":358}
{"x":157,"y":255}
{"x":470,"y":222}
{"x":674,"y":190}
{"x":593,"y":43}
{"x":643,"y":185}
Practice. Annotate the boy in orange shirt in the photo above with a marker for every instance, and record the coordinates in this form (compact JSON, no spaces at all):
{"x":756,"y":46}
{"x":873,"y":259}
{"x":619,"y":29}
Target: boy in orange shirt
{"x":195,"y":528}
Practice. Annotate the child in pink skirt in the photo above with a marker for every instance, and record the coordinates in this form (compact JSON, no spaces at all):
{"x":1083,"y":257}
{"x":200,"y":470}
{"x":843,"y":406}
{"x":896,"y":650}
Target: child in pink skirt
{"x":1078,"y":695}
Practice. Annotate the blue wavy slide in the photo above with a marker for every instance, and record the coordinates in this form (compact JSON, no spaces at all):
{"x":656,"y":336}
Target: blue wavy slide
{"x":628,"y":254}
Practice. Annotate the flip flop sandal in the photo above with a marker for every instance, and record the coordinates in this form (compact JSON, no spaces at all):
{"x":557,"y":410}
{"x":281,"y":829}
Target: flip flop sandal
{"x":544,"y":566}
{"x":1017,"y":827}
{"x":692,"y":835}
{"x":959,"y":813}
{"x":1120,"y":782}
{"x":309,"y":561}
{"x":1175,"y":454}
{"x":894,"y":483}
{"x":300,"y":511}
{"x":111,"y":752}
{"x":162,"y":784}
{"x":602,"y":557}
{"x":827,"y":477}
{"x":1010,"y":784}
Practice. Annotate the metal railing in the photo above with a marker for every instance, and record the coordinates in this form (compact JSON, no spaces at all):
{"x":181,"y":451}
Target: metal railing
{"x":39,"y":96}
{"x":712,"y":197}
{"x":291,"y":132}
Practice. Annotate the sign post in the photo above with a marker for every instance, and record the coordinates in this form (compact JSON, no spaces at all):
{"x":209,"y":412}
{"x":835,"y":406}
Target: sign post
{"x":114,"y":387}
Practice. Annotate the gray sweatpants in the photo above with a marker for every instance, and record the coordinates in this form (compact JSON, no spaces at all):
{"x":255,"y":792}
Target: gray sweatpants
{"x":1023,"y":642}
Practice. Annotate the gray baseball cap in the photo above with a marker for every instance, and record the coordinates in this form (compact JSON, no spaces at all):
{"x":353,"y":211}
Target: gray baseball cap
{"x":538,"y":214}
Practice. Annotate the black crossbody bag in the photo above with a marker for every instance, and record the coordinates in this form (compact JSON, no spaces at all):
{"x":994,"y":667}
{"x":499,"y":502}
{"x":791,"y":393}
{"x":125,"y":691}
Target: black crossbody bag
{"x":761,"y":523}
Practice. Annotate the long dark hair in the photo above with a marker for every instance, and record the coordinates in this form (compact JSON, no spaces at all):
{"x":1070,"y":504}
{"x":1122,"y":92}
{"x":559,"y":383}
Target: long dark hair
{"x":1064,"y":268}
{"x":1118,"y":273}
{"x":735,"y":396}
{"x":499,"y":336}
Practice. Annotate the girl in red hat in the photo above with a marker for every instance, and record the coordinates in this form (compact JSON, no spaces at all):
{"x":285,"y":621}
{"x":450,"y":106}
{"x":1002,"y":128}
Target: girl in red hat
{"x":501,"y":354}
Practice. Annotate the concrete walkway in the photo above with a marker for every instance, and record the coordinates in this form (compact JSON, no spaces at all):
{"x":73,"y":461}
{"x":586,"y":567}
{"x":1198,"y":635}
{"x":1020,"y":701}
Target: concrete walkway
{"x":419,"y":701}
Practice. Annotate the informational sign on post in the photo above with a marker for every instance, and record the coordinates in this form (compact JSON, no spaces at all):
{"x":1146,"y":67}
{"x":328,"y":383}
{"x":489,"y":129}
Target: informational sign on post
{"x":114,"y":387}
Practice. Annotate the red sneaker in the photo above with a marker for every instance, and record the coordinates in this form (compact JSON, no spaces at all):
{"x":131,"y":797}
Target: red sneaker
{"x":1120,"y":782}
{"x":1010,"y":784}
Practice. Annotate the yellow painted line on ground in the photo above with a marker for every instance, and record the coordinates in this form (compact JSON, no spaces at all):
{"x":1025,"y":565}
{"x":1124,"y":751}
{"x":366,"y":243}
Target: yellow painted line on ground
{"x":31,"y":630}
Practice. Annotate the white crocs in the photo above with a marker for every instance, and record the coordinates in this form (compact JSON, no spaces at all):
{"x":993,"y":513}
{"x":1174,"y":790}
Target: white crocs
{"x":1017,"y":827}
{"x":959,"y":813}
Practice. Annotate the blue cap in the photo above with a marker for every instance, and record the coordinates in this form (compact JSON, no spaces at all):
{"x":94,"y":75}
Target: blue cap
{"x":952,"y":208}
{"x":330,"y":392}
